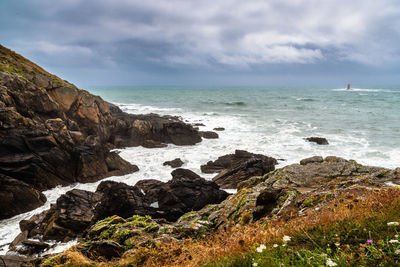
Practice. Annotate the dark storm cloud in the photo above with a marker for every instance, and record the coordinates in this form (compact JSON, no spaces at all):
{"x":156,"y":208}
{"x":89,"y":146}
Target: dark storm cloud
{"x":222,"y":36}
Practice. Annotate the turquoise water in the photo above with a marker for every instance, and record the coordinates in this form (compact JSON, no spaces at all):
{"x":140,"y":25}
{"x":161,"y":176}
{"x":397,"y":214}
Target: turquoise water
{"x":363,"y":124}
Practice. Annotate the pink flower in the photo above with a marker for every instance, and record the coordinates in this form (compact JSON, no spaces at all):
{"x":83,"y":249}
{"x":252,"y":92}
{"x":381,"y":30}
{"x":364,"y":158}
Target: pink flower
{"x":369,"y":241}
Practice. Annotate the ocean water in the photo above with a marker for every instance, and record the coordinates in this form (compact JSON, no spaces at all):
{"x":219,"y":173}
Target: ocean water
{"x":361,"y":124}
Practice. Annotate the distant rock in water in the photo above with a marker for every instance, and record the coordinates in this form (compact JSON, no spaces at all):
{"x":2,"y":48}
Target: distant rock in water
{"x":209,"y":135}
{"x":318,"y":140}
{"x":53,"y":133}
{"x":219,"y":129}
{"x":176,"y":163}
{"x":232,"y":161}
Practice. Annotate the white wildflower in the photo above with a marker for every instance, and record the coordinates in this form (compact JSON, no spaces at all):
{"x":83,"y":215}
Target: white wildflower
{"x":255,"y":264}
{"x":283,"y":245}
{"x":275,"y":245}
{"x":393,"y":223}
{"x":330,"y":262}
{"x":396,"y":236}
{"x":337,"y":244}
{"x":397,"y":251}
{"x":393,"y":241}
{"x":261,"y":248}
{"x":286,"y":238}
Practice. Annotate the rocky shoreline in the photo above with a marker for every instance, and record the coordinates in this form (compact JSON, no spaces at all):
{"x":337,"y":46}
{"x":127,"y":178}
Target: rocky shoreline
{"x":52,"y":133}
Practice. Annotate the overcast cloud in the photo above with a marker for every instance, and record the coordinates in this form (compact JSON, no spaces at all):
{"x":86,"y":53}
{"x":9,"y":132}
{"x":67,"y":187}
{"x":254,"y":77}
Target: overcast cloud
{"x":158,"y":42}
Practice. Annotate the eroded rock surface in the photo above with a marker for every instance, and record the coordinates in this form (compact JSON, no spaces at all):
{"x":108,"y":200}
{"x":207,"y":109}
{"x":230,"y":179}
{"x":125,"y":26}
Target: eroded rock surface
{"x":238,"y":167}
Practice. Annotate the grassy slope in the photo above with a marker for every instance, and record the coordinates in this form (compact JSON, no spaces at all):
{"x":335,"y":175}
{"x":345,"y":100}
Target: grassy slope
{"x":336,"y":234}
{"x":14,"y":63}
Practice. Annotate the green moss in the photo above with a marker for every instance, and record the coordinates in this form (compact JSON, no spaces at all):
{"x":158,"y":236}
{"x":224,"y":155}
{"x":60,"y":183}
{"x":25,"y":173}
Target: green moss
{"x":308,"y":202}
{"x":189,"y":215}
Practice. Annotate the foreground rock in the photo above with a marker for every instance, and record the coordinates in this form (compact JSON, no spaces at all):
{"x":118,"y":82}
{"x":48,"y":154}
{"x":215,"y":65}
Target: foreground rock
{"x":176,"y":163}
{"x":238,"y":167}
{"x":291,"y":190}
{"x":318,"y":140}
{"x":52,"y":133}
{"x":77,"y":210}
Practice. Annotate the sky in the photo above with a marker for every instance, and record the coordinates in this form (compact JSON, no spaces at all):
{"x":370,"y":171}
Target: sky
{"x":208,"y":43}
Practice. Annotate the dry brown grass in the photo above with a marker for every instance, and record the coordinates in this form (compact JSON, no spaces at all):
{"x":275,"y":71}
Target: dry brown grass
{"x":239,"y":240}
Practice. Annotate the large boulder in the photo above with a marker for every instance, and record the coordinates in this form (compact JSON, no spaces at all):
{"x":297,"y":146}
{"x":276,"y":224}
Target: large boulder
{"x":187,"y":192}
{"x":229,"y":179}
{"x":122,"y":200}
{"x":238,"y":167}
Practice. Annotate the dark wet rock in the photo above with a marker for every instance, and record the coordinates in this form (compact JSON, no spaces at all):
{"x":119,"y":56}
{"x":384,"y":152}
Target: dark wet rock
{"x":253,"y":167}
{"x":176,"y":163}
{"x":318,"y":140}
{"x":238,"y":167}
{"x":17,"y":197}
{"x":103,"y":248}
{"x":209,"y":135}
{"x":120,"y":199}
{"x":67,"y":219}
{"x":52,"y":133}
{"x":199,"y":124}
{"x":184,"y":173}
{"x":150,"y":188}
{"x":187,"y":192}
{"x":231,"y":161}
{"x":219,"y":129}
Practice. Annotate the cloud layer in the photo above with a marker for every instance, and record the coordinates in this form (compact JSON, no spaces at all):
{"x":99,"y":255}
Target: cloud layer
{"x":219,"y":35}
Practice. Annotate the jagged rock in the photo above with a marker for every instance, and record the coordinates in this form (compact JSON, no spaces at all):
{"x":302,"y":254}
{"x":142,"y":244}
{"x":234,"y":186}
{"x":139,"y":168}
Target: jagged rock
{"x":17,"y":197}
{"x":15,"y":261}
{"x":122,"y":200}
{"x":318,"y":140}
{"x":176,"y":163}
{"x":209,"y":135}
{"x":67,"y":219}
{"x":238,"y":167}
{"x":253,"y":167}
{"x":150,"y":188}
{"x":288,"y":191}
{"x":52,"y":133}
{"x":187,"y":192}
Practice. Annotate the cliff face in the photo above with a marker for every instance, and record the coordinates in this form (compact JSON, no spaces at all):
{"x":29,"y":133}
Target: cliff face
{"x":52,"y":133}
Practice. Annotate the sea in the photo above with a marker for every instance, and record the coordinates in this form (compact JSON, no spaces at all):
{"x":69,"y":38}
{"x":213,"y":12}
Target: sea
{"x":361,"y":124}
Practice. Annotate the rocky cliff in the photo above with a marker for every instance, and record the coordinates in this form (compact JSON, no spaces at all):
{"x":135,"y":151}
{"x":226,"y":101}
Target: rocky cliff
{"x":53,"y":133}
